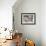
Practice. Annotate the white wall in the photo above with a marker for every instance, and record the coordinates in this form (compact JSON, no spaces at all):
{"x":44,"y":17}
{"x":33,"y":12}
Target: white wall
{"x":43,"y":22}
{"x":6,"y":13}
{"x":30,"y":31}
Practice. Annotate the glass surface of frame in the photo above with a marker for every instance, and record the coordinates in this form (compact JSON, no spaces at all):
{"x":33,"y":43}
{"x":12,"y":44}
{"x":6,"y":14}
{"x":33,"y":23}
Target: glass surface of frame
{"x":28,"y":18}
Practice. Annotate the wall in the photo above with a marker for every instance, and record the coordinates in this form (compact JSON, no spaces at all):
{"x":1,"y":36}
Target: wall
{"x":32,"y":32}
{"x":43,"y":22}
{"x":6,"y":13}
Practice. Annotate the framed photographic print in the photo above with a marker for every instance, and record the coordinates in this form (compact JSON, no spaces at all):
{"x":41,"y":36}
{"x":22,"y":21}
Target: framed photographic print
{"x":28,"y":18}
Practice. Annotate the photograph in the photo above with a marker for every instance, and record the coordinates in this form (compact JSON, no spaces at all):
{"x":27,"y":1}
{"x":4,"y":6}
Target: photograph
{"x":28,"y":18}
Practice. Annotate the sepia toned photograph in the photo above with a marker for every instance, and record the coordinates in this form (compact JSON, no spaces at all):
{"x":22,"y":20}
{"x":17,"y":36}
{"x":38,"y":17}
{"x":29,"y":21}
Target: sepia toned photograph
{"x":28,"y":18}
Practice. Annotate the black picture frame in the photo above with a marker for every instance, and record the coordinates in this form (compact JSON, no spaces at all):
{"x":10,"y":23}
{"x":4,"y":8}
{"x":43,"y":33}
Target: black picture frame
{"x":28,"y":18}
